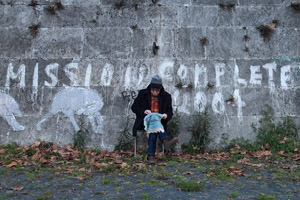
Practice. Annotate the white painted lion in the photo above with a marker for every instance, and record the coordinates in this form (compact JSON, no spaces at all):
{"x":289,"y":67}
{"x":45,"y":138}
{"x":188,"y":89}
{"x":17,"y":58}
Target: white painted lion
{"x":79,"y":101}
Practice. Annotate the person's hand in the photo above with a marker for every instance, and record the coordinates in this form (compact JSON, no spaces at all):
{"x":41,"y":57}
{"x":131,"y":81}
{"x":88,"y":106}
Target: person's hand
{"x":165,"y":116}
{"x":147,"y":112}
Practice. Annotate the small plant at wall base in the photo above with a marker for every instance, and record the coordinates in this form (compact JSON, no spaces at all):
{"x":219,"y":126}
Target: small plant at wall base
{"x":280,"y":136}
{"x":79,"y":139}
{"x":174,"y":127}
{"x":200,"y":128}
{"x":125,"y":139}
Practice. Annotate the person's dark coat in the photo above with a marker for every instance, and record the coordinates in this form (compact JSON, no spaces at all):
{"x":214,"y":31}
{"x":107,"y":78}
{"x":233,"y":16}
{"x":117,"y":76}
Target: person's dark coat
{"x":143,"y":102}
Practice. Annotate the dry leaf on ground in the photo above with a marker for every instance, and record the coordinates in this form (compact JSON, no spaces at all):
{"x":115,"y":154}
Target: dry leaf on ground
{"x":11,"y":164}
{"x":16,"y":188}
{"x":189,"y":173}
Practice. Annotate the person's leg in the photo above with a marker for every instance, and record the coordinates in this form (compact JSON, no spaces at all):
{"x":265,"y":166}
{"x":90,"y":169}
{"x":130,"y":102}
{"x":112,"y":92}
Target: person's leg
{"x":163,"y":137}
{"x":152,"y":144}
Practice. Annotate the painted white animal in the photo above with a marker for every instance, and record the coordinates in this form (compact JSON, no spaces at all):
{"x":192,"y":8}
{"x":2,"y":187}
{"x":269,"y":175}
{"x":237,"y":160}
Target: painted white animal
{"x":8,"y":109}
{"x":79,"y":101}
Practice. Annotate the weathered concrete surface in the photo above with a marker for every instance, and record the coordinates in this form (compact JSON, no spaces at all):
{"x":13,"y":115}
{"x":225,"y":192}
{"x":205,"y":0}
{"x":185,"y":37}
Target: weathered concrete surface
{"x":101,"y":51}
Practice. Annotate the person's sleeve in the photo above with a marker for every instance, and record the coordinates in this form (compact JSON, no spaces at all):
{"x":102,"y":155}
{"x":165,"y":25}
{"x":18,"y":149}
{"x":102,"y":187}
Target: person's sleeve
{"x":137,"y":107}
{"x":169,"y":109}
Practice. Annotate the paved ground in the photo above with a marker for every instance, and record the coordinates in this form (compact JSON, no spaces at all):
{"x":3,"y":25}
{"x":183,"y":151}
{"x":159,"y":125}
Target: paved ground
{"x":169,"y":179}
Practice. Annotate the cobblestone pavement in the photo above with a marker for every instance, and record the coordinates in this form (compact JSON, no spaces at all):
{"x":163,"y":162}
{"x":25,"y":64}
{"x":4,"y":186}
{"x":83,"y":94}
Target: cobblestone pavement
{"x":165,"y":180}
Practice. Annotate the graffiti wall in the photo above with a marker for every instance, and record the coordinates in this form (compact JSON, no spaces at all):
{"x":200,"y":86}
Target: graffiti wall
{"x":84,"y":69}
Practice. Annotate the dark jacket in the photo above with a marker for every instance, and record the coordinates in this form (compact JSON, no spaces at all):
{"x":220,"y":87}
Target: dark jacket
{"x":143,"y":102}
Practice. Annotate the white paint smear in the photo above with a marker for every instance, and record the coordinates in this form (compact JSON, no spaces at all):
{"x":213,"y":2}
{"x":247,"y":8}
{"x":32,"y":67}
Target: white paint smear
{"x":200,"y":74}
{"x":220,"y":71}
{"x":255,"y":77}
{"x":218,"y":105}
{"x":107,"y":75}
{"x":53,"y":76}
{"x":73,"y":77}
{"x":11,"y":75}
{"x":285,"y":77}
{"x":8,"y":109}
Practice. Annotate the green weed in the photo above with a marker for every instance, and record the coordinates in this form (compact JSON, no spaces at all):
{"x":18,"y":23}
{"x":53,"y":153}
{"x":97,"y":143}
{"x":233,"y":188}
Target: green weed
{"x":125,"y":139}
{"x":105,"y":181}
{"x":174,"y":127}
{"x":189,"y":186}
{"x":265,"y":197}
{"x":233,"y":195}
{"x":79,"y":139}
{"x":280,"y":136}
{"x":200,"y":128}
{"x":145,"y":196}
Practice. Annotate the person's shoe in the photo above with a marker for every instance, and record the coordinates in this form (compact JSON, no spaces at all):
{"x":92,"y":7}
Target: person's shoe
{"x":151,"y":160}
{"x":170,"y":143}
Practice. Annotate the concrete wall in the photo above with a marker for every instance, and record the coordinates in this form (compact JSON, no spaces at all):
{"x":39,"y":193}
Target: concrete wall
{"x":88,"y":61}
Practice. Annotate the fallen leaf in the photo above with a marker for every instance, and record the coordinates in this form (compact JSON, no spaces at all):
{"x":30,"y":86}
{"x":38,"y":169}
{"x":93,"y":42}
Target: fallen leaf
{"x":140,"y":164}
{"x":281,"y":141}
{"x":244,"y":152}
{"x":36,"y":144}
{"x":16,"y":188}
{"x":296,"y":150}
{"x":243,"y":161}
{"x":68,"y":171}
{"x":124,"y":164}
{"x":255,"y":165}
{"x":11,"y":164}
{"x":282,"y":154}
{"x":210,"y":174}
{"x":267,"y":146}
{"x":81,"y":170}
{"x":53,"y":158}
{"x":189,"y":173}
{"x":35,"y":156}
{"x":186,"y":162}
{"x":80,"y":178}
{"x":54,"y":146}
{"x":297,"y":158}
{"x":162,"y":164}
{"x":2,"y":151}
{"x":118,"y":161}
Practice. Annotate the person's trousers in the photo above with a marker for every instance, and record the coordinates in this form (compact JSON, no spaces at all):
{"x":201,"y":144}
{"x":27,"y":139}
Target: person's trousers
{"x":152,"y":141}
